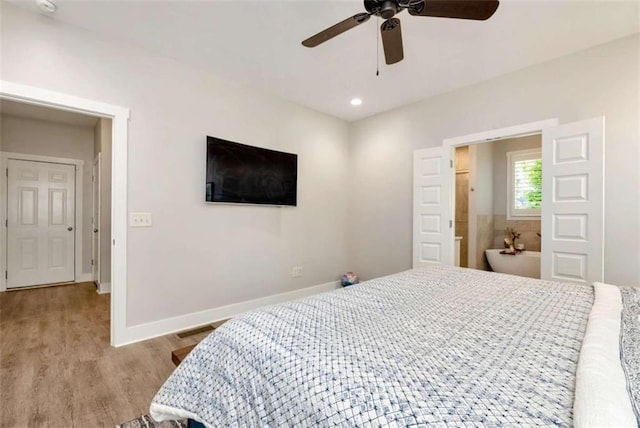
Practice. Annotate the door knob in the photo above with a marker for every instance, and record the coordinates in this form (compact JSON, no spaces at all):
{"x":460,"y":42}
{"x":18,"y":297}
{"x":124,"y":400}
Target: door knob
{"x":95,"y":230}
{"x":69,"y":228}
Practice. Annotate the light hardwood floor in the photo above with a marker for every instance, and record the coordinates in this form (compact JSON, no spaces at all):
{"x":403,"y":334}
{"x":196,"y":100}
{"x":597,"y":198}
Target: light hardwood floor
{"x":57,"y":368}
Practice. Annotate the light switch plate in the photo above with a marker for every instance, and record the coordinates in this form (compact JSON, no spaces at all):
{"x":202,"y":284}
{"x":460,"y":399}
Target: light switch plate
{"x":140,"y":220}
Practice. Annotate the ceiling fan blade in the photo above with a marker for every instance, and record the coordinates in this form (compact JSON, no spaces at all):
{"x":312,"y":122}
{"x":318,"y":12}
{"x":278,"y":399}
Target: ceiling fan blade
{"x":392,"y":40}
{"x":479,"y":10}
{"x":335,"y":30}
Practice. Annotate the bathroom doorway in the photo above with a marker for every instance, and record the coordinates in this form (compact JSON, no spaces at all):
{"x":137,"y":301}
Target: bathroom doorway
{"x":572,"y":216}
{"x":498,"y":194}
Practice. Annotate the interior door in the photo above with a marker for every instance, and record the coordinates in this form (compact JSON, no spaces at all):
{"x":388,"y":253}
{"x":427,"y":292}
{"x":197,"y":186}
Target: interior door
{"x":432,"y":211}
{"x":95,"y":221}
{"x":573,"y":202}
{"x":40,"y":223}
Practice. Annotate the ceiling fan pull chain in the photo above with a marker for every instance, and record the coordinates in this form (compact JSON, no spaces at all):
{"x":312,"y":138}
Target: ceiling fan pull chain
{"x":378,"y":49}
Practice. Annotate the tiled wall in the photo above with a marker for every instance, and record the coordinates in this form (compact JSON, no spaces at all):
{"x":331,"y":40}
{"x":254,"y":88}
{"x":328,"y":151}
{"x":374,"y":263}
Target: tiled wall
{"x":484,"y":239}
{"x":527,"y":229}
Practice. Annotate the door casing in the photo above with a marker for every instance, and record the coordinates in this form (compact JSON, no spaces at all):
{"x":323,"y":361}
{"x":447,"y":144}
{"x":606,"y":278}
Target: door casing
{"x":121,"y":334}
{"x":449,"y":145}
{"x":95,"y":218}
{"x":522,"y":130}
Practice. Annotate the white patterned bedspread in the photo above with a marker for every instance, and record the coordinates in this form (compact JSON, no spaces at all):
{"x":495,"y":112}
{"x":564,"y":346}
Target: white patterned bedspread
{"x":439,"y":346}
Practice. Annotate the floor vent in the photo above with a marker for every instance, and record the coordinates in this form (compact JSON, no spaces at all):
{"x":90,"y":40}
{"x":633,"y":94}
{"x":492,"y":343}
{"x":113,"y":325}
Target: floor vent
{"x":193,"y":332}
{"x":203,"y":329}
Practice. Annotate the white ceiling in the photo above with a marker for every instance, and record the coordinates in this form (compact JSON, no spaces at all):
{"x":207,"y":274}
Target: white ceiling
{"x":32,"y":111}
{"x":258,"y":43}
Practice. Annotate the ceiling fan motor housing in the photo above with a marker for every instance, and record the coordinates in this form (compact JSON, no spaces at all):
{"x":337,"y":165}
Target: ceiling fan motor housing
{"x":384,"y":8}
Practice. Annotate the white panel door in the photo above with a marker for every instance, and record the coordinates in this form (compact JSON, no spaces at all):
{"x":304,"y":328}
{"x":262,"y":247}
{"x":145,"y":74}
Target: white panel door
{"x":40,"y":223}
{"x":573,"y":202}
{"x":432,"y":213}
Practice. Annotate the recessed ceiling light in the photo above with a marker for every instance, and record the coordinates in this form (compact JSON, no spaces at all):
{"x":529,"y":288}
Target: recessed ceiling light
{"x":356,"y":101}
{"x":46,"y":6}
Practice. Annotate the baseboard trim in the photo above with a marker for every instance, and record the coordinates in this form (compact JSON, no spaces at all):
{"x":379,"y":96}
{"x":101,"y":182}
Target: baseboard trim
{"x":84,"y":277}
{"x":104,"y":288}
{"x":150,"y":330}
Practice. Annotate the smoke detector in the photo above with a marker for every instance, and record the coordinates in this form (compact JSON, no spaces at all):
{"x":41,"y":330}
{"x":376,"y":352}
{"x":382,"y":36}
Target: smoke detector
{"x":46,"y":6}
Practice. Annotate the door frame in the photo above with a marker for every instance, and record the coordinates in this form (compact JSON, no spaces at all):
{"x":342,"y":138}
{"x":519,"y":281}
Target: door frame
{"x":4,"y":206}
{"x":492,"y":135}
{"x":96,"y":197}
{"x":120,"y":334}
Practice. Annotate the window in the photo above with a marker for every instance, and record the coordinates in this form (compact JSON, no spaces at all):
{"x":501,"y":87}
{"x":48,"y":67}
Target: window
{"x":524,"y":187}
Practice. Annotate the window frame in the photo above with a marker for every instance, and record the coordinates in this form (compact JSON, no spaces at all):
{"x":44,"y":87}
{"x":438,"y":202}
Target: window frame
{"x":512,"y":212}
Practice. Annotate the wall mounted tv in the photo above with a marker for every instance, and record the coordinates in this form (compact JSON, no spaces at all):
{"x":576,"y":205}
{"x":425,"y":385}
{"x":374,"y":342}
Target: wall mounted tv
{"x":237,"y":173}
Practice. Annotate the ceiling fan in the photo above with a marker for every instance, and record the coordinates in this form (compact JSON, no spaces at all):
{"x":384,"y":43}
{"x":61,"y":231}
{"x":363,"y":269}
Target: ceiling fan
{"x":479,"y":10}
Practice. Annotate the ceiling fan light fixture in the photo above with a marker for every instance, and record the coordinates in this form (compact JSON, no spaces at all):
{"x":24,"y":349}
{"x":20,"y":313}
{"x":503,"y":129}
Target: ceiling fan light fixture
{"x":356,"y":101}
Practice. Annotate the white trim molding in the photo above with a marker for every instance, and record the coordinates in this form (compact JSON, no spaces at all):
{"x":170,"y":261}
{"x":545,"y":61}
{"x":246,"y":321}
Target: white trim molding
{"x":197,"y":319}
{"x":103,"y":288}
{"x":120,"y":122}
{"x":501,"y":133}
{"x":514,"y":213}
{"x":84,"y":277}
{"x":79,"y":169}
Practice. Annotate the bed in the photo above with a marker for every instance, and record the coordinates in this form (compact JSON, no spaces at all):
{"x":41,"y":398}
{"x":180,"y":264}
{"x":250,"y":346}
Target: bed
{"x":440,"y":346}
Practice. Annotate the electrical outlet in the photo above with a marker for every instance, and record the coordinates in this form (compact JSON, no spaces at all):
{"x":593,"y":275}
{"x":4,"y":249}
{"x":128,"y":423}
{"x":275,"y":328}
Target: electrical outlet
{"x":140,"y":220}
{"x":296,"y":271}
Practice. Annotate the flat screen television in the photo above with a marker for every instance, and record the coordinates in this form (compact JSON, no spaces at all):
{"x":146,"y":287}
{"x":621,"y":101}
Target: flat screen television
{"x":237,"y":173}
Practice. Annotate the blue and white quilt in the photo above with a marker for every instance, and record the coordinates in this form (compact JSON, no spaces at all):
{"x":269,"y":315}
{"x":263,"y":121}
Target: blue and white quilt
{"x":439,"y":346}
{"x":630,"y":344}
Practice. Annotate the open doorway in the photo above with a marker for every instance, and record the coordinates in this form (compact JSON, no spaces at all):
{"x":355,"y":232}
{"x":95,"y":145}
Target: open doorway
{"x":120,"y":334}
{"x":572,"y":242}
{"x":498,"y":197}
{"x":48,"y":195}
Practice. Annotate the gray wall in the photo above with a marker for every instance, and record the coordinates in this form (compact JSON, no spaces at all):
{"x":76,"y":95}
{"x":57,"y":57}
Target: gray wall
{"x":197,"y":256}
{"x":599,"y":81}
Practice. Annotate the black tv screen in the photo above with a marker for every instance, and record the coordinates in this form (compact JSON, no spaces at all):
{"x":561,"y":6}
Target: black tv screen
{"x":238,"y":173}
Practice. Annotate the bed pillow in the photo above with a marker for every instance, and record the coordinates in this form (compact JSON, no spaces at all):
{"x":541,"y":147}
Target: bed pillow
{"x":601,"y":396}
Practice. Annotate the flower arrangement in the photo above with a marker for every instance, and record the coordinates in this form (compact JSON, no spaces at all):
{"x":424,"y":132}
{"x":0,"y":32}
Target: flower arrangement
{"x":510,"y":236}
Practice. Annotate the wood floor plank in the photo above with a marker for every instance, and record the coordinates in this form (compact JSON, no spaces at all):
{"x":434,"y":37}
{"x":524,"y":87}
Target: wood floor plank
{"x":57,"y":368}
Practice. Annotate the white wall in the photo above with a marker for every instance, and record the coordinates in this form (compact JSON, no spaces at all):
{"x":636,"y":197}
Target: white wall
{"x":196,"y":256}
{"x":599,"y":81}
{"x":37,"y":137}
{"x":483,"y":178}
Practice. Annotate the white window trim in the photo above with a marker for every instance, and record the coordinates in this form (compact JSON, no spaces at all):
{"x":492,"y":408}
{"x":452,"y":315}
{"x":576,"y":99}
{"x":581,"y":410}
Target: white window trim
{"x":513,"y":213}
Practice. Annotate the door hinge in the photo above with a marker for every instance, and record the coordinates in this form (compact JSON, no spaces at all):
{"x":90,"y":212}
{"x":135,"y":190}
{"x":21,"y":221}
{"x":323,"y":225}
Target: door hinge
{"x":450,"y":223}
{"x":91,"y":262}
{"x":450,"y":163}
{"x":6,"y":274}
{"x":7,"y":171}
{"x":6,"y":223}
